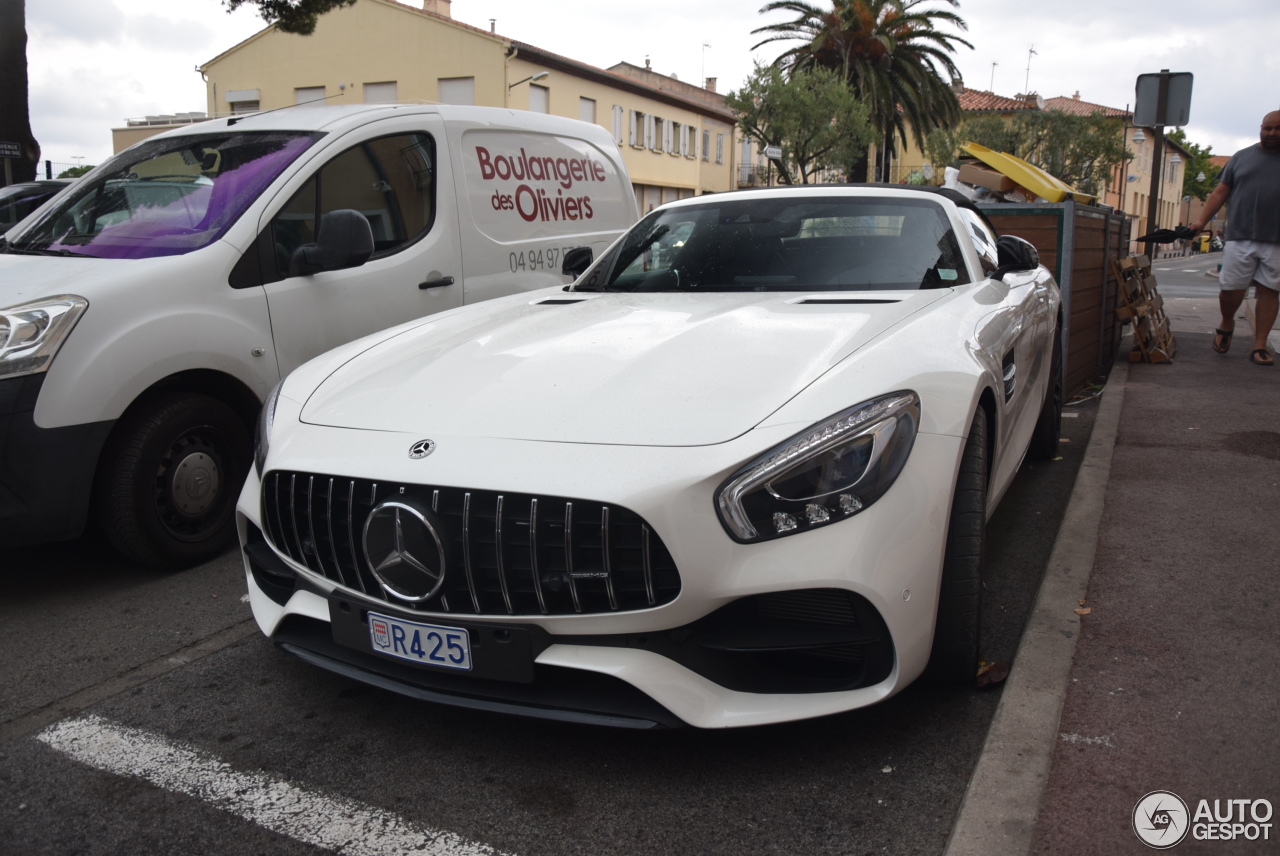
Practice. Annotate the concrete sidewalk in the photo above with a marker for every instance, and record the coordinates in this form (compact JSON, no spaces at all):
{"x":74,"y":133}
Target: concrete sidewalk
{"x":1169,"y":682}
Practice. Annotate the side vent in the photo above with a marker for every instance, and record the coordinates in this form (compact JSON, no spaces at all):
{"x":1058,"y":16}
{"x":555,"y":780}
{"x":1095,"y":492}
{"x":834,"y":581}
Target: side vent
{"x":1010,"y":376}
{"x":561,"y":301}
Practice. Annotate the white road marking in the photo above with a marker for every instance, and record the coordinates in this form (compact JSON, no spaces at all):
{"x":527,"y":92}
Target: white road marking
{"x":334,"y":823}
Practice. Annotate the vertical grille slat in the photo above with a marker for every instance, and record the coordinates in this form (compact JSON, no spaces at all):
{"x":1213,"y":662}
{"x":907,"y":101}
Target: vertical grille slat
{"x":648,"y":565}
{"x":293,"y":518}
{"x":595,"y":558}
{"x":466,"y":552}
{"x":568,"y":555}
{"x":311,"y":522}
{"x":605,"y":556}
{"x":502,"y":571}
{"x":351,"y":535}
{"x":533,"y":555}
{"x":333,"y":542}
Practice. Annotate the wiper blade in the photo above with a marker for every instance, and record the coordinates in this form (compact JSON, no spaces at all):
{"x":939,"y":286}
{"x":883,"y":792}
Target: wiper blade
{"x":37,"y":251}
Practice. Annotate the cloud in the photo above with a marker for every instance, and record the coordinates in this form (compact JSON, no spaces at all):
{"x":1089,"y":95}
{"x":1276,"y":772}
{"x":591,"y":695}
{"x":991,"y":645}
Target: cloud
{"x":76,"y":21}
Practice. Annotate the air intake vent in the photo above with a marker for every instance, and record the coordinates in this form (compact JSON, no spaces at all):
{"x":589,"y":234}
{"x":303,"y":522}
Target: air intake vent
{"x":507,"y":554}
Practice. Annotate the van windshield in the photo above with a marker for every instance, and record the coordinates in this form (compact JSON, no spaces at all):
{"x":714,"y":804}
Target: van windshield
{"x":772,"y":243}
{"x":164,"y":197}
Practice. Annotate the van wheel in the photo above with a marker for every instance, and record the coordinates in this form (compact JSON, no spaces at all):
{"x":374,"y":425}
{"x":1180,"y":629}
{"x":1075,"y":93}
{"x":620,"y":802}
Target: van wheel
{"x":1044,"y":439}
{"x":956,"y":635}
{"x":170,"y":479}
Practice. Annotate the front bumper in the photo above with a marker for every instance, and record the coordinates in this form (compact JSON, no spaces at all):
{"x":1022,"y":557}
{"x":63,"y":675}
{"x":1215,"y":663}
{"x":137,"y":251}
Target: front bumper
{"x":46,"y":474}
{"x":886,"y":561}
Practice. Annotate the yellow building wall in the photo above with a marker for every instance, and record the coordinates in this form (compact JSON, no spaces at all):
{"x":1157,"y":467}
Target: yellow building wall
{"x":376,"y":41}
{"x":645,"y":166}
{"x":370,"y":42}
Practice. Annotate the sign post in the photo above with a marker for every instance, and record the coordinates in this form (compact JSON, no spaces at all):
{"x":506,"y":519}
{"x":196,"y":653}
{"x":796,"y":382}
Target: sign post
{"x":1162,"y":99}
{"x":773,"y":153}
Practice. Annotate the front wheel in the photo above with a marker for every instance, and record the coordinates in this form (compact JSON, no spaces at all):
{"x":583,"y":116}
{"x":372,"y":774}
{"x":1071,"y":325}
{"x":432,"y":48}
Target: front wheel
{"x":170,"y":478}
{"x":954,"y":658}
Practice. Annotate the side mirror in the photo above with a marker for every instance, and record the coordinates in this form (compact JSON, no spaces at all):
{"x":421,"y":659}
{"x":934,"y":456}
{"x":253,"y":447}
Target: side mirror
{"x":345,"y":240}
{"x":576,"y":261}
{"x":1014,"y":254}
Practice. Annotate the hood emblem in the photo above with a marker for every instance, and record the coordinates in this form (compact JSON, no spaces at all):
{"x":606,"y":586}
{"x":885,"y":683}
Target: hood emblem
{"x":421,"y":449}
{"x":404,"y":551}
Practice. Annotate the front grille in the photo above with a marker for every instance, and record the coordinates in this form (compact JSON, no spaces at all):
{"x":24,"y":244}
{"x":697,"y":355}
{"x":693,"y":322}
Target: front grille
{"x":508,"y":554}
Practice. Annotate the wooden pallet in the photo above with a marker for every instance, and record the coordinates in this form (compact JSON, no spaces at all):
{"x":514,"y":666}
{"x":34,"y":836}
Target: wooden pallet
{"x":1142,"y":307}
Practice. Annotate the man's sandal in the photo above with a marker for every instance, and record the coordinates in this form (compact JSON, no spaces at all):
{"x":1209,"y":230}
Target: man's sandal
{"x":1260,"y":357}
{"x":1225,"y":336}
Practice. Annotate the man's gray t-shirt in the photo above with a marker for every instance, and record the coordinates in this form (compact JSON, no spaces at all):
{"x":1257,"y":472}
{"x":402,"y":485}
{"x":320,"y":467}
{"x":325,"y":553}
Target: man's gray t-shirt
{"x":1253,"y":208}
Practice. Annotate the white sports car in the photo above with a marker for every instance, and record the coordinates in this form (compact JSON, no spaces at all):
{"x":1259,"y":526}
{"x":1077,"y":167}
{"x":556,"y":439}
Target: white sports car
{"x":738,"y":473}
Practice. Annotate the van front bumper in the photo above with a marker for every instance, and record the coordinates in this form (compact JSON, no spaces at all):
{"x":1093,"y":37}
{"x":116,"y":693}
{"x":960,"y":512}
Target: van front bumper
{"x":46,"y":474}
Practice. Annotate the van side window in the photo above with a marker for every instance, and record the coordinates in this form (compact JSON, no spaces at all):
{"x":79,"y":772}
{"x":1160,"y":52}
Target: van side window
{"x":390,"y":180}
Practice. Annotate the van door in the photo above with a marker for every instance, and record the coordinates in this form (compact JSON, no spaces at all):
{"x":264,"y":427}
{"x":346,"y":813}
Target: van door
{"x":396,"y":173}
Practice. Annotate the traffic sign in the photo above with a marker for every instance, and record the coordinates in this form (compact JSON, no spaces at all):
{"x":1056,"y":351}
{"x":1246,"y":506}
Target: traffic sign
{"x":773,"y":152}
{"x":10,"y":150}
{"x":1150,"y":112}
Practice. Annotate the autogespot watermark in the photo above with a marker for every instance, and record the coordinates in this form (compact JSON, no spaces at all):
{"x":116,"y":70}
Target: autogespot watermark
{"x":1161,"y":819}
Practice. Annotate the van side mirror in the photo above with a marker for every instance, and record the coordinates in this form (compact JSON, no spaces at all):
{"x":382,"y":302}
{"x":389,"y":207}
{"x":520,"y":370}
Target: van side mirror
{"x":344,"y":240}
{"x":1014,"y":254}
{"x":576,"y":261}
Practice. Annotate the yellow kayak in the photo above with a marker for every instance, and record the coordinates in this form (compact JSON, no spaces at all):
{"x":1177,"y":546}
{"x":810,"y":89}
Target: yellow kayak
{"x":1031,"y":177}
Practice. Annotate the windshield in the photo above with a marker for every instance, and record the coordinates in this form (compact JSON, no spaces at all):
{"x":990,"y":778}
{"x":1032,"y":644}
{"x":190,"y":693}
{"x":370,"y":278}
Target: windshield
{"x":771,"y":243}
{"x":164,"y":197}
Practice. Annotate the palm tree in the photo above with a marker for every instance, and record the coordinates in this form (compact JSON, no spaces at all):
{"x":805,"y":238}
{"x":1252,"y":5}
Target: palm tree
{"x":889,"y":51}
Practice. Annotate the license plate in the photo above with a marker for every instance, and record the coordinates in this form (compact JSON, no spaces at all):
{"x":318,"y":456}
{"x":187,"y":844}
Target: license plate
{"x":429,"y":644}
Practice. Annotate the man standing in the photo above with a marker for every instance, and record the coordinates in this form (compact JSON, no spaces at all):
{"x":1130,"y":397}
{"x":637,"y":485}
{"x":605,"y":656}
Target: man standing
{"x":1250,"y":185}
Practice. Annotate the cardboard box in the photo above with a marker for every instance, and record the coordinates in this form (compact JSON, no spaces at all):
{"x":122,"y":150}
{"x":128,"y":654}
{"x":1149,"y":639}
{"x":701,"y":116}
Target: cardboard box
{"x":980,"y":176}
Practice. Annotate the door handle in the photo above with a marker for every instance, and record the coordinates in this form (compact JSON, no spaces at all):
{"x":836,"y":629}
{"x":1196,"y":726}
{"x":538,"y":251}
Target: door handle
{"x":436,"y":283}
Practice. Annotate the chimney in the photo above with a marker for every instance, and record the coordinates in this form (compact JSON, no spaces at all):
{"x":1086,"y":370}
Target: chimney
{"x":957,"y":85}
{"x":493,"y":25}
{"x":711,"y":84}
{"x":1076,"y":97}
{"x":646,"y":63}
{"x":439,"y":7}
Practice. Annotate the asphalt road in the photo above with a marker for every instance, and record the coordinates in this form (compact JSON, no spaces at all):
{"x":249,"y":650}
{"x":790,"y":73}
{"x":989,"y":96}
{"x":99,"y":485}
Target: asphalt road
{"x":176,"y":658}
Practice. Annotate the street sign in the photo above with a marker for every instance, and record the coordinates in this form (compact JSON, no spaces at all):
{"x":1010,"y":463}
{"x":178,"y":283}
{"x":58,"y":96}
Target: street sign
{"x":773,"y":152}
{"x":1175,"y":111}
{"x":10,"y":150}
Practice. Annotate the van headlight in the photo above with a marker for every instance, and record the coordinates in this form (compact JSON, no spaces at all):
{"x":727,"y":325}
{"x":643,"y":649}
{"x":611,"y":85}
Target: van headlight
{"x":262,"y":436}
{"x":827,"y":473}
{"x":32,"y":333}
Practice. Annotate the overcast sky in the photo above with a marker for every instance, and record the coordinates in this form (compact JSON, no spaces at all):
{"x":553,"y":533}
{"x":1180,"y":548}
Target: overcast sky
{"x":94,"y":63}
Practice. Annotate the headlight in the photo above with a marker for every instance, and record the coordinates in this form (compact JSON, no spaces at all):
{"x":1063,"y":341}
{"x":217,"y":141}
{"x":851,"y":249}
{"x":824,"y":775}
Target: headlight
{"x":827,"y":473}
{"x":32,"y":333}
{"x":262,"y":437}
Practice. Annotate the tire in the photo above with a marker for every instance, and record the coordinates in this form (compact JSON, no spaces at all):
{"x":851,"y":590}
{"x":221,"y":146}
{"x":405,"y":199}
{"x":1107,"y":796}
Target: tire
{"x":169,"y":481}
{"x":956,"y":635}
{"x":1044,"y":439}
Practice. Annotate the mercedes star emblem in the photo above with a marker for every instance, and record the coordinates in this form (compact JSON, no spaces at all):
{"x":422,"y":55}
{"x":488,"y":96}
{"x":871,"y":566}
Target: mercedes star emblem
{"x":421,"y":449}
{"x":404,"y":550}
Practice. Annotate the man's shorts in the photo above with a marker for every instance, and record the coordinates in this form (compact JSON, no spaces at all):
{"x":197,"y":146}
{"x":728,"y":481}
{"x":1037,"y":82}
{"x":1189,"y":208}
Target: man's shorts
{"x":1247,"y":262}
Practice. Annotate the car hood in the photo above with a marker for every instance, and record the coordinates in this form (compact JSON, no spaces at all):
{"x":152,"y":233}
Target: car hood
{"x":26,"y":278}
{"x":620,"y":369}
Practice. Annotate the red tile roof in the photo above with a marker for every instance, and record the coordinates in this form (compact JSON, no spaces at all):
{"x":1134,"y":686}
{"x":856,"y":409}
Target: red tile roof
{"x":979,"y":101}
{"x":1078,"y":107}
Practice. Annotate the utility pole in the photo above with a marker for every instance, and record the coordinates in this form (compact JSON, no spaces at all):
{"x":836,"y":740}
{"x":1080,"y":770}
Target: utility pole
{"x":993,"y":77}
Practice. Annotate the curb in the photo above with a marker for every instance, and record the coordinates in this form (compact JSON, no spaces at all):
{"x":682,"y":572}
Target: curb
{"x":1002,"y":803}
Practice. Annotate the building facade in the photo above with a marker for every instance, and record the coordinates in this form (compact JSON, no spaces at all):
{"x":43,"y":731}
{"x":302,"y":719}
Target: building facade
{"x":676,"y":139}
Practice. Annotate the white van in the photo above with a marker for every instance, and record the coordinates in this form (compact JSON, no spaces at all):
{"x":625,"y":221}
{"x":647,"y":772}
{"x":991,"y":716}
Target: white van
{"x":146,"y":311}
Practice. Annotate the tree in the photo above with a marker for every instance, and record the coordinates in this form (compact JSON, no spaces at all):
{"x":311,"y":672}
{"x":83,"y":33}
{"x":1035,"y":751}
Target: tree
{"x":890,"y":52}
{"x":1082,"y":151}
{"x":15,"y":118}
{"x":291,"y":16}
{"x":812,"y":116}
{"x":1200,"y":164}
{"x":76,"y":171}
